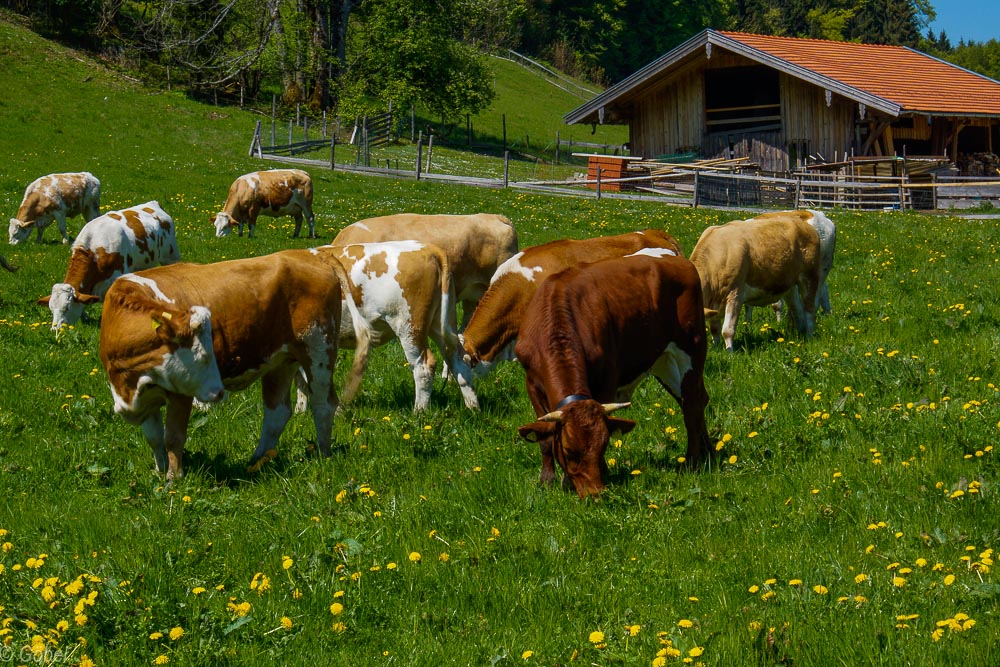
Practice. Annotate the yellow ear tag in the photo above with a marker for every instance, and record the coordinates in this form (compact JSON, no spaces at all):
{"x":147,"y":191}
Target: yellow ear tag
{"x":167,"y":316}
{"x":156,"y":323}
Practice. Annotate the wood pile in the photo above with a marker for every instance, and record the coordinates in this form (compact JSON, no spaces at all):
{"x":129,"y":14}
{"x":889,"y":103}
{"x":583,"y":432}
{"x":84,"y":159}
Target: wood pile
{"x":979,"y":164}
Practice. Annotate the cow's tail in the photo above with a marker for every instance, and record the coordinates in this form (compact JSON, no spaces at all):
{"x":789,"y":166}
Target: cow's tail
{"x":362,"y":334}
{"x":449,"y":320}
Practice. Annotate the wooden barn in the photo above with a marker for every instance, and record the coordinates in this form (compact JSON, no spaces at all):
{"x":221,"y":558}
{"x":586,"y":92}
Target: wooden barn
{"x":783,"y":101}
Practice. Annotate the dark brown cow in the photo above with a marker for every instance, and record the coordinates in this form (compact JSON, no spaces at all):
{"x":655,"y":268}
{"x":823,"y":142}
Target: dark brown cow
{"x":590,"y":335}
{"x":498,"y":316}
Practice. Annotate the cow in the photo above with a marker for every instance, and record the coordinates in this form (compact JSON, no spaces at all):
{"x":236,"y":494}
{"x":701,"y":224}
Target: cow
{"x":55,"y":197}
{"x":275,"y":193}
{"x":107,"y":247}
{"x":175,"y":333}
{"x":496,"y":320}
{"x":403,"y":290}
{"x":758,"y":262}
{"x":591,"y":333}
{"x":474,"y":244}
{"x":827,"y":233}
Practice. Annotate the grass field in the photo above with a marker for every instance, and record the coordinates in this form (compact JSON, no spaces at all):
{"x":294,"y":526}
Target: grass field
{"x":849,"y":516}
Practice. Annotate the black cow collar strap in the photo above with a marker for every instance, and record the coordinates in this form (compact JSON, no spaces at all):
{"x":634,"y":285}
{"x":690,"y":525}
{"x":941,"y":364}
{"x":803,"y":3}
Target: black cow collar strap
{"x":572,"y":398}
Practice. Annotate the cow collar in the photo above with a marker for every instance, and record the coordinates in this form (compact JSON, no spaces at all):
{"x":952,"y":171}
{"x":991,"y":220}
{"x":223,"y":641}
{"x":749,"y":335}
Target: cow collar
{"x":572,"y":398}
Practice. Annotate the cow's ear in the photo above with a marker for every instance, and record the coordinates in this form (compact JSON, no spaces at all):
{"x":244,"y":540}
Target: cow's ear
{"x":87,"y":298}
{"x":44,"y":301}
{"x":538,"y":430}
{"x":620,"y":426}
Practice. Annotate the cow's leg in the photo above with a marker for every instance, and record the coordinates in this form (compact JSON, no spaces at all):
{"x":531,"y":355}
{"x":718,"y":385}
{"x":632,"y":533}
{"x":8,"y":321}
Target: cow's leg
{"x":152,"y":428}
{"x":421,"y":360}
{"x":276,"y":391}
{"x":732,"y":317}
{"x":824,"y":298}
{"x":61,"y":224}
{"x":545,"y":445}
{"x":463,"y":374}
{"x":311,"y":219}
{"x":298,"y":225}
{"x":319,"y":363}
{"x":806,"y":299}
{"x":178,"y":415}
{"x":682,"y":375}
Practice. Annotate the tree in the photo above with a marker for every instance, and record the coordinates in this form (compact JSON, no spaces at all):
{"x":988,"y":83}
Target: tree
{"x":895,"y":22}
{"x":403,"y":52}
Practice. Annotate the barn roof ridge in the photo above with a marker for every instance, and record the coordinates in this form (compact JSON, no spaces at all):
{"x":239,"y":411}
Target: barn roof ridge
{"x":932,"y":86}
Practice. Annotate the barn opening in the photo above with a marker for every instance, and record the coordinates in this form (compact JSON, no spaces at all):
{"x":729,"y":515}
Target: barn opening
{"x":742,"y":98}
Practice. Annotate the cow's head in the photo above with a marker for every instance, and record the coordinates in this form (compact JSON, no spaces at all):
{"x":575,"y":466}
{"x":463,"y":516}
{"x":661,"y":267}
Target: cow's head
{"x":223,"y":224}
{"x":66,"y":304}
{"x":580,"y":434}
{"x":18,"y":231}
{"x":189,"y":366}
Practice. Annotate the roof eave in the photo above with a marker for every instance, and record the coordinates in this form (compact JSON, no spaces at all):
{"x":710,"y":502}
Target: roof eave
{"x":709,"y":36}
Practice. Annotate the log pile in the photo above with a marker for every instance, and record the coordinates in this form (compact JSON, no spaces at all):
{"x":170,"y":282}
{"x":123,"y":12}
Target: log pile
{"x":979,"y":164}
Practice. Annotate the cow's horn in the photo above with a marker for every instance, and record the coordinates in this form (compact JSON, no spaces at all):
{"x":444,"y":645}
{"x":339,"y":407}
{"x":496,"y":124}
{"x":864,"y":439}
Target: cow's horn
{"x":611,"y":407}
{"x":554,"y":416}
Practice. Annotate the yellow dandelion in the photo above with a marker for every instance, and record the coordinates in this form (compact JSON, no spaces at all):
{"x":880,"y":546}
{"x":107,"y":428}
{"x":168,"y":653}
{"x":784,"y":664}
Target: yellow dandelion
{"x":696,"y":651}
{"x":156,"y":636}
{"x":198,"y":590}
{"x":161,"y":659}
{"x":287,"y":562}
{"x":949,"y":580}
{"x":684,"y":623}
{"x":596,"y":637}
{"x":527,"y":654}
{"x":176,"y":633}
{"x":414,"y":556}
{"x":819,"y":589}
{"x":286,"y":623}
{"x":336,"y":609}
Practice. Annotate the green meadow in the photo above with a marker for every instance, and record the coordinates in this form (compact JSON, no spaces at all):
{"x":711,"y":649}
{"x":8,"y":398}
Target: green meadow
{"x":849,"y":516}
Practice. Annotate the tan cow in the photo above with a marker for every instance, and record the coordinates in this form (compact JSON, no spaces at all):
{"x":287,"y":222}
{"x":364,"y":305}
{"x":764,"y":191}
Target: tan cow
{"x":493,"y":328}
{"x":55,"y":197}
{"x":107,"y":247}
{"x":275,"y":193}
{"x":403,"y":290}
{"x":474,"y":244}
{"x":827,"y":233}
{"x":184,"y":331}
{"x":757,"y":262}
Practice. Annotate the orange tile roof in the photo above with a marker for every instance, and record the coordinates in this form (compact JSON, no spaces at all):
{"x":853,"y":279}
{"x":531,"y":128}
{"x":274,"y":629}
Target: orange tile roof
{"x":913,"y":80}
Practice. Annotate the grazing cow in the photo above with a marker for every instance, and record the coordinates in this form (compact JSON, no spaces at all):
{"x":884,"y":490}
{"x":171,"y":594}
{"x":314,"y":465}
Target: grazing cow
{"x":184,"y":331}
{"x":590,"y":335}
{"x":55,"y":197}
{"x":827,"y":233}
{"x":474,"y":244}
{"x":114,"y":244}
{"x":757,"y":262}
{"x":275,"y":193}
{"x":403,"y":290}
{"x":6,"y":265}
{"x":494,"y":325}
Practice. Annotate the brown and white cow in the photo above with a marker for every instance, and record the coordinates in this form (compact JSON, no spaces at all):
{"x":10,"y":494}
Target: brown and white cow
{"x":827,"y":233}
{"x":496,"y":320}
{"x":184,"y":331}
{"x":55,"y":197}
{"x":403,"y":289}
{"x":107,"y":247}
{"x":590,"y":335}
{"x":474,"y":244}
{"x":757,"y":262}
{"x":275,"y":193}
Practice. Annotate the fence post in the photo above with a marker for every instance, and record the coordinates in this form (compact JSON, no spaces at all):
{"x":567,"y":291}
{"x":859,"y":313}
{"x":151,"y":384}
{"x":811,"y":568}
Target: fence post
{"x":324,"y":124}
{"x":420,"y":149}
{"x":413,"y":123}
{"x":306,"y":128}
{"x":333,"y":150}
{"x":934,"y":192}
{"x":255,"y":142}
{"x":274,"y":106}
{"x":599,"y":170}
{"x":798,"y":192}
{"x":430,"y":151}
{"x":506,"y":168}
{"x":557,"y":146}
{"x":902,"y":202}
{"x":289,"y":131}
{"x":503,"y":120}
{"x":694,"y":198}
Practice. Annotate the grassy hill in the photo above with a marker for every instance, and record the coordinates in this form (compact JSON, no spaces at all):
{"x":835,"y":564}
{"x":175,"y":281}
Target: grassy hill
{"x":848,"y":518}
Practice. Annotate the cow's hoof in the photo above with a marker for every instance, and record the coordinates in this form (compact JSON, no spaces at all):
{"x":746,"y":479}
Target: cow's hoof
{"x":255,"y":466}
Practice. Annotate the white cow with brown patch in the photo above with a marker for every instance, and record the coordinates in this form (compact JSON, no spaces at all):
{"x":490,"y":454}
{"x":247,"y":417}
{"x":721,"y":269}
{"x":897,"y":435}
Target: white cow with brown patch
{"x":55,"y":197}
{"x":404,"y":290}
{"x":275,"y":193}
{"x":757,"y":262}
{"x":184,"y":331}
{"x":107,"y":247}
{"x":474,"y":244}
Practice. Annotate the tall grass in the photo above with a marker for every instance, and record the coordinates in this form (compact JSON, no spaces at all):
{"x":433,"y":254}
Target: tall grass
{"x":849,"y":515}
